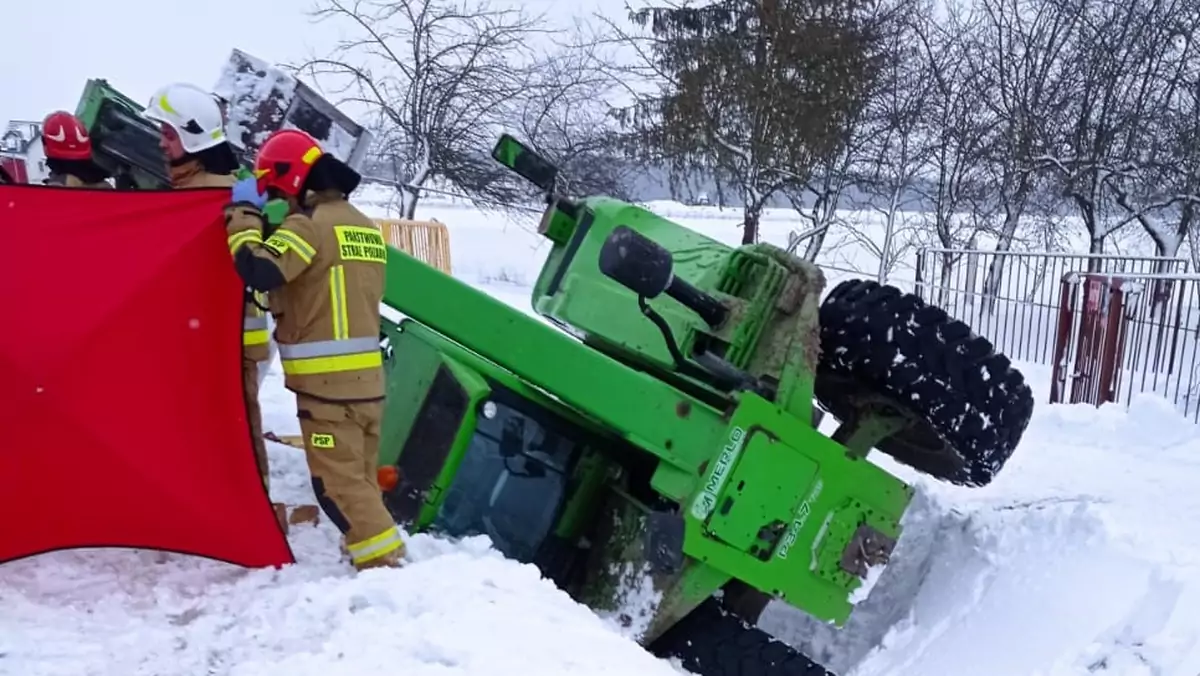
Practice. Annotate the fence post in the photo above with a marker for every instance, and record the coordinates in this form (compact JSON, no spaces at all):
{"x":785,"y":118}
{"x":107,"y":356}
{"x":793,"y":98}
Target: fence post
{"x":1087,"y":351}
{"x":1112,"y":348}
{"x":972,"y":263}
{"x":919,"y":275}
{"x":1062,"y":342}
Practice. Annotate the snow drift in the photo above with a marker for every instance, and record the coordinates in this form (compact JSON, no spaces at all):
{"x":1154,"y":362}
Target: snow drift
{"x":457,"y":609}
{"x":1081,"y":558}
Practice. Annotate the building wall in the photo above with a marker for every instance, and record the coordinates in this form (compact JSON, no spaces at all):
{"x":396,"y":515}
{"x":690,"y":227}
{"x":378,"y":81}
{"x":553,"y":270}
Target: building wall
{"x":35,"y":160}
{"x":23,"y":139}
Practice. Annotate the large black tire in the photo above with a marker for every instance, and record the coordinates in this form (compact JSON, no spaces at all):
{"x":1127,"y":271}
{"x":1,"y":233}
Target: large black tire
{"x":713,"y":642}
{"x":973,"y":406}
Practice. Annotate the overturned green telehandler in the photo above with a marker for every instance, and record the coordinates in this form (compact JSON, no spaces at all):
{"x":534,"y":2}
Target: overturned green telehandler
{"x":658,"y":457}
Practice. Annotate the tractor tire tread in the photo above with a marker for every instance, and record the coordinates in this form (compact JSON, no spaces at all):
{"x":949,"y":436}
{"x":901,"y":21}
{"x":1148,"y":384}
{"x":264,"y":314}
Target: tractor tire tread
{"x":935,"y":367}
{"x":711,"y":641}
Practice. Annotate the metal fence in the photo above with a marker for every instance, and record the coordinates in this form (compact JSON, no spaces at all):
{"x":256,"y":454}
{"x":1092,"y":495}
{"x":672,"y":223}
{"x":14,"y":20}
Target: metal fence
{"x":1122,"y":334}
{"x":1012,"y":297}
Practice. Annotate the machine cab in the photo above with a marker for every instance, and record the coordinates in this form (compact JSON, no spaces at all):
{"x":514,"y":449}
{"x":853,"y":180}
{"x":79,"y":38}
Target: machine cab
{"x":511,"y":481}
{"x":467,"y":449}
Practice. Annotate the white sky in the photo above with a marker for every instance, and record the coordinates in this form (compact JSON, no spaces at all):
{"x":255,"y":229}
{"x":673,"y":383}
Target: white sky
{"x":48,"y":50}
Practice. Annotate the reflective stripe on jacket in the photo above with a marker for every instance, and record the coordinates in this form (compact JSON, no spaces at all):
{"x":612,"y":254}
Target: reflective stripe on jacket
{"x":254,"y":325}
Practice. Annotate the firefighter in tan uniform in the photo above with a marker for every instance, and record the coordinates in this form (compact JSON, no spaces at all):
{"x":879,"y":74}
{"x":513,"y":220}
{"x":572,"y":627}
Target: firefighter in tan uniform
{"x":68,"y":149}
{"x":324,"y":268}
{"x":199,"y":156}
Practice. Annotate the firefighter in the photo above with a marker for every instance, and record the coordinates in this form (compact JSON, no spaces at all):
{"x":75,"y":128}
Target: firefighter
{"x":192,"y":137}
{"x":324,"y":268}
{"x":68,"y":149}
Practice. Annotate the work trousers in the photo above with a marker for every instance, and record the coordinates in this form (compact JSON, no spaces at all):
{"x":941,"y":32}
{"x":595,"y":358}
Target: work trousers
{"x":341,"y":444}
{"x":254,"y":412}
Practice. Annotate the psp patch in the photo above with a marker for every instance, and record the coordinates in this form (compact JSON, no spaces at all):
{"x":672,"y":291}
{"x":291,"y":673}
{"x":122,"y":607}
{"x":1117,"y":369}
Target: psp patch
{"x":321,"y":440}
{"x":275,"y":245}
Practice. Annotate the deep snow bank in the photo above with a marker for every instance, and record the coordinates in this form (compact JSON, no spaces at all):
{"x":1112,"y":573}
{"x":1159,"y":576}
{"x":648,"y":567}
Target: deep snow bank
{"x":1082,"y":558}
{"x":459,"y":608}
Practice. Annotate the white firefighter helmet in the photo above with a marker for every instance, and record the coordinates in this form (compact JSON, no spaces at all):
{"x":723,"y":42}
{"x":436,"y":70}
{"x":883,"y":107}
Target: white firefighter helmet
{"x":192,"y":112}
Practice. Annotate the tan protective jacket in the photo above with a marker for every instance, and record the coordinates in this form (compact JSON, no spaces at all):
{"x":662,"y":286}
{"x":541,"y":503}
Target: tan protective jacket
{"x":73,"y":181}
{"x":327,"y":313}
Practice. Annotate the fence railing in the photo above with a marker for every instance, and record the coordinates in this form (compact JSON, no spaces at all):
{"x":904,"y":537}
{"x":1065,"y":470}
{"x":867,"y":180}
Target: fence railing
{"x":1121,"y":334}
{"x":1012,"y":297}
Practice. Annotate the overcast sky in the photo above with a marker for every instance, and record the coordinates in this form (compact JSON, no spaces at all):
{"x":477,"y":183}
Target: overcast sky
{"x":50,"y":49}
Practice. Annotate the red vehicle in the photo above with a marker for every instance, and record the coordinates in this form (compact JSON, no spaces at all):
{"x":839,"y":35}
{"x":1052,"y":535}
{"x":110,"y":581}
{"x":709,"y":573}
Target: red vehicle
{"x":12,"y":170}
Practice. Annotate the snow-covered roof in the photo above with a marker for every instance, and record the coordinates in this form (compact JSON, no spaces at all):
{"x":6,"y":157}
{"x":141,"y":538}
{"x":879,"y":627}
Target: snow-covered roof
{"x":18,"y":135}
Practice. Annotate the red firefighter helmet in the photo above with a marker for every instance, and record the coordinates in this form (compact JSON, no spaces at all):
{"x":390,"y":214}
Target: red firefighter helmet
{"x":285,"y":160}
{"x":65,"y":138}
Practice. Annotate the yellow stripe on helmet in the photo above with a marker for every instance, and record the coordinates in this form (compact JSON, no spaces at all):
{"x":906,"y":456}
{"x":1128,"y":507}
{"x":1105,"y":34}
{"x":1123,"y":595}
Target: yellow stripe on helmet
{"x":311,"y":155}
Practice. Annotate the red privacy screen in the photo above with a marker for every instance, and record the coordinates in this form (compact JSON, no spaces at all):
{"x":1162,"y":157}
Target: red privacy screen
{"x":122,"y":417}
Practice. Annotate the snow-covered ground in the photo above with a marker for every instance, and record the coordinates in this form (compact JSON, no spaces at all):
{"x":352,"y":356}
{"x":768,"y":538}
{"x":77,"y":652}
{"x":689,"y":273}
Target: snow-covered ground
{"x":1083,"y":557}
{"x":456,"y":608}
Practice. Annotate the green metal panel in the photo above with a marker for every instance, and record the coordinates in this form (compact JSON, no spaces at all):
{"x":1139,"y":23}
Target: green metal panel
{"x":571,"y":289}
{"x":477,"y":391}
{"x":123,"y":142}
{"x":780,"y":507}
{"x":410,"y":371}
{"x":772,"y":297}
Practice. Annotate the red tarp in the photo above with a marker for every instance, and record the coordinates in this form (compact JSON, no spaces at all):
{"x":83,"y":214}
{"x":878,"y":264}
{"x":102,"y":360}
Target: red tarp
{"x":122,"y":417}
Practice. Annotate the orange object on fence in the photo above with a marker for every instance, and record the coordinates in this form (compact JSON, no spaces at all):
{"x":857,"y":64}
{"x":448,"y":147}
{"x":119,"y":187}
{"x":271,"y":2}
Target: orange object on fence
{"x":427,"y":241}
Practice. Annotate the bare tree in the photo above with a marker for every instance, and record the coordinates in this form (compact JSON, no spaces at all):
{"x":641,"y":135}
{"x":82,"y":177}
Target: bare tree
{"x":566,"y":116}
{"x":819,"y":199}
{"x":1016,"y":60}
{"x":1115,"y":62}
{"x":1180,"y":123}
{"x":956,"y":195}
{"x":441,"y":79}
{"x":1161,"y":188}
{"x":836,"y":175}
{"x":1159,"y":184}
{"x":899,"y":150}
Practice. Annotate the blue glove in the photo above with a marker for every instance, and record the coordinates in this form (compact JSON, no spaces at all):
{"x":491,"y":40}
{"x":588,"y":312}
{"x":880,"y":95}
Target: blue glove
{"x":246,"y":191}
